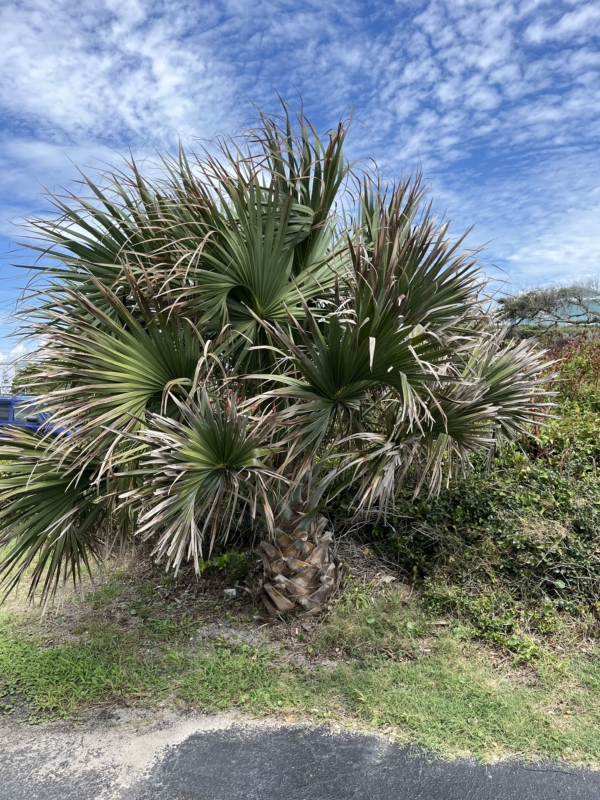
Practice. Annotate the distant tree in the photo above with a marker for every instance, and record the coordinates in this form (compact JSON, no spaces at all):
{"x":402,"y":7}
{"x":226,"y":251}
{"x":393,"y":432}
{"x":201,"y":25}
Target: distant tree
{"x":577,"y":304}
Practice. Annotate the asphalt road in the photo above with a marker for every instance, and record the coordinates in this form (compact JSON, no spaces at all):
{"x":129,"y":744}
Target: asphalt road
{"x":148,"y":756}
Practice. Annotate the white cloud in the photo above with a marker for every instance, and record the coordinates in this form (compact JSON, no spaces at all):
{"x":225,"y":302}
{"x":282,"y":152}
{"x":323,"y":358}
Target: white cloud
{"x":111,"y":70}
{"x":14,"y":353}
{"x":584,"y":21}
{"x":540,"y":222}
{"x":30,"y":167}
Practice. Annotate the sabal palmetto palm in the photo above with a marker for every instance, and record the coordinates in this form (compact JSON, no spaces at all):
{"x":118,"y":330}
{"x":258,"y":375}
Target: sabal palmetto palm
{"x":247,"y":335}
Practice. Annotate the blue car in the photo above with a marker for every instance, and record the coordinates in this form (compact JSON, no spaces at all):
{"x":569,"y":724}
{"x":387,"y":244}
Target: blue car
{"x":21,"y":412}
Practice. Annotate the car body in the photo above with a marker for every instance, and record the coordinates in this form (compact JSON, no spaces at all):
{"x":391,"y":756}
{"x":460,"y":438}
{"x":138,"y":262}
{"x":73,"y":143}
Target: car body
{"x":20,"y":411}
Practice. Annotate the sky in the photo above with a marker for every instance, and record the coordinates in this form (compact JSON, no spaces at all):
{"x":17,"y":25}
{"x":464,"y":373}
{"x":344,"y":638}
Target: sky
{"x":496,"y":102}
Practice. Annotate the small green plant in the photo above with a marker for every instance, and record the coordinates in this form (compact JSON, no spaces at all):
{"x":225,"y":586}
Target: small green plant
{"x":355,"y":594}
{"x":234,"y":566}
{"x":578,"y":369}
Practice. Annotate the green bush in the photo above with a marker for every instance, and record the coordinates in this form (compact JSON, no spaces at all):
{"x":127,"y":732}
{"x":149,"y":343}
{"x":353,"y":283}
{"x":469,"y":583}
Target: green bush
{"x":524,"y":525}
{"x":511,"y":548}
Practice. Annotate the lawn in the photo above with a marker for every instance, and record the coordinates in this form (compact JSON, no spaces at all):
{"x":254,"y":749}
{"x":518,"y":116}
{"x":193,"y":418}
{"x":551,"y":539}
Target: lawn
{"x":378,"y":660}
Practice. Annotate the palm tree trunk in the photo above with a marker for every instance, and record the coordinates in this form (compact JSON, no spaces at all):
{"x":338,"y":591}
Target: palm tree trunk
{"x":300,"y":572}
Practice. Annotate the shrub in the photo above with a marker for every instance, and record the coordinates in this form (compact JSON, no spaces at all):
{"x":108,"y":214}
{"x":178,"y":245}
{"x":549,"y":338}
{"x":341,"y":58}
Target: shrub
{"x":238,"y":339}
{"x":511,"y":548}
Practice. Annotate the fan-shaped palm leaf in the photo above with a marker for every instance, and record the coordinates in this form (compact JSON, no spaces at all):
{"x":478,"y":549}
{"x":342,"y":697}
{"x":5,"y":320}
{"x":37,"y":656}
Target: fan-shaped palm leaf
{"x":53,"y":522}
{"x":198,"y":473}
{"x":107,"y":373}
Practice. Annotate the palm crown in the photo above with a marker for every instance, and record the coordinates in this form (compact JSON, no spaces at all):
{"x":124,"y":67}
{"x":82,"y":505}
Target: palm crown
{"x":255,"y":330}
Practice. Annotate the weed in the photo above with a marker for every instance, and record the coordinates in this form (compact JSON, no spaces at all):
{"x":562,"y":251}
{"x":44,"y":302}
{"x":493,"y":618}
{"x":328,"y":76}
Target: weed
{"x":235,"y":567}
{"x":355,"y":594}
{"x":62,"y":678}
{"x":385,"y":625}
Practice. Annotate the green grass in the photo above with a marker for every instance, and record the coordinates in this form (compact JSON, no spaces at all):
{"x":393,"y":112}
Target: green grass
{"x":61,"y":679}
{"x":396,"y":672}
{"x":448,"y":702}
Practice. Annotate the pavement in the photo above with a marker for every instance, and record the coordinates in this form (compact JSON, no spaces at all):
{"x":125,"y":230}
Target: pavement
{"x":131,"y":754}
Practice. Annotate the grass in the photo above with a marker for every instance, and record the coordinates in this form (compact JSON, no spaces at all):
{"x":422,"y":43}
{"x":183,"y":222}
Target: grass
{"x":378,"y":662}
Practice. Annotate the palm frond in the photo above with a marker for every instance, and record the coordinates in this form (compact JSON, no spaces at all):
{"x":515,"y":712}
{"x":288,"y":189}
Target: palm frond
{"x":497,"y":396}
{"x":404,"y":243}
{"x":107,"y":371}
{"x":197,"y":474}
{"x":54,"y":523}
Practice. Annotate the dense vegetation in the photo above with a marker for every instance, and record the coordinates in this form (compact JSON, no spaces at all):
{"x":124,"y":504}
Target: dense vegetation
{"x":514,"y":548}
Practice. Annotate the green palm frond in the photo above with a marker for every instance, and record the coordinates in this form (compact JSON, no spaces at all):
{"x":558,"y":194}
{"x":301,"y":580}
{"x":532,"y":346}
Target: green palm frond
{"x":248,"y":273}
{"x":198,"y":473}
{"x":498,"y":396}
{"x":514,"y":375}
{"x":360,"y":348}
{"x":123,"y":225}
{"x":107,"y":371}
{"x":405,"y":244}
{"x":54,"y":523}
{"x":314,"y":171}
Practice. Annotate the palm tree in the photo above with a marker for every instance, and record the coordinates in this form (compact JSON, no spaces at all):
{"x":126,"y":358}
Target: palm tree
{"x":256,"y":330}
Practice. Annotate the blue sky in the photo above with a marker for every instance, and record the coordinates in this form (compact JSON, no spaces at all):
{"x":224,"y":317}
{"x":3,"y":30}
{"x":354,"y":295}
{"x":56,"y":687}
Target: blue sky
{"x":498,"y":102}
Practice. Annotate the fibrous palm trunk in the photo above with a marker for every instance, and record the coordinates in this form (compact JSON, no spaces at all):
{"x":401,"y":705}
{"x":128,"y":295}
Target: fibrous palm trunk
{"x":300,"y":573}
